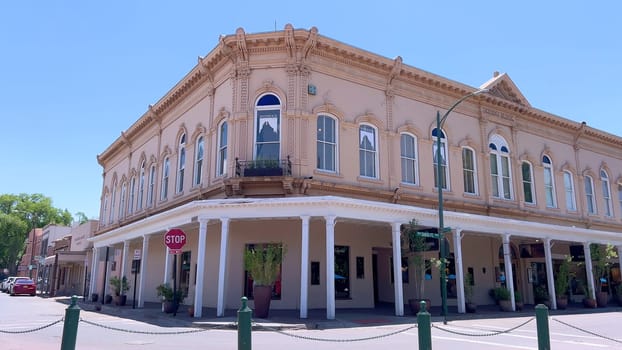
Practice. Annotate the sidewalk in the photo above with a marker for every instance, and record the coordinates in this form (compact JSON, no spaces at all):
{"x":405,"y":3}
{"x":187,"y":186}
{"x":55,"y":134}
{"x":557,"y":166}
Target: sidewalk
{"x":383,"y":315}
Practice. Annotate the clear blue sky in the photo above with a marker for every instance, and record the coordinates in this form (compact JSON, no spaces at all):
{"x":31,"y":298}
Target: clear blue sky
{"x":74,"y":74}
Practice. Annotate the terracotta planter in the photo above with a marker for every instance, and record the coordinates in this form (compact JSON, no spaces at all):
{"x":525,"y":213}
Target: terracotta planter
{"x":169,"y":307}
{"x":562,"y":303}
{"x":505,"y":305}
{"x":261,"y":297}
{"x":119,"y":300}
{"x":470,"y":307}
{"x":602,"y":298}
{"x":589,"y":303}
{"x":415,"y":305}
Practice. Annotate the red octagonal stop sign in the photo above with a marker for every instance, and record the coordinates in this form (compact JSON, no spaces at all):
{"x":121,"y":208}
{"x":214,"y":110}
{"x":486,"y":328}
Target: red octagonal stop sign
{"x":175,"y":239}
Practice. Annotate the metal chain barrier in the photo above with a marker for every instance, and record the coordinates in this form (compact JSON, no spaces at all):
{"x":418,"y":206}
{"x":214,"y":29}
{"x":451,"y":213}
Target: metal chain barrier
{"x":34,"y":329}
{"x":588,"y":332}
{"x":195,"y":330}
{"x":489,"y":334}
{"x":340,"y":340}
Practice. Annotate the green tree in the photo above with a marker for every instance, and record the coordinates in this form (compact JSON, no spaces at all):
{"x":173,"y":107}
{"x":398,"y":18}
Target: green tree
{"x":81,"y":217}
{"x":12,"y":241}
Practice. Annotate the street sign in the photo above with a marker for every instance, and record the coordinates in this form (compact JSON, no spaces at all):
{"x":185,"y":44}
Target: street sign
{"x":175,"y":239}
{"x":428,"y":234}
{"x":137,"y":253}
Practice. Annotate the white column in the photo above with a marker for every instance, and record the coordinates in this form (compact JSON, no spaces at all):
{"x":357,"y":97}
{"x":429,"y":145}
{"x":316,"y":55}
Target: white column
{"x":330,"y":267}
{"x":549,"y":273}
{"x":509,"y":274}
{"x":588,"y":269}
{"x":398,"y":286}
{"x":167,"y":266}
{"x":143,"y":272}
{"x":620,"y":260}
{"x":126,"y":248}
{"x":459,"y":270}
{"x":198,"y":293}
{"x":304,"y":266}
{"x":94,"y":271}
{"x":222,"y":267}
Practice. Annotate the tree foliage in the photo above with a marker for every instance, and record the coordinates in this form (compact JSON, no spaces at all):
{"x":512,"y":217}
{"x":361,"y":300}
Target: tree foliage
{"x":19,"y":214}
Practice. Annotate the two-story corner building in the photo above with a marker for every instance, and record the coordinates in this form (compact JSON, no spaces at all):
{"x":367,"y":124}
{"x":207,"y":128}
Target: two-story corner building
{"x":29,"y":264}
{"x":294,"y":137}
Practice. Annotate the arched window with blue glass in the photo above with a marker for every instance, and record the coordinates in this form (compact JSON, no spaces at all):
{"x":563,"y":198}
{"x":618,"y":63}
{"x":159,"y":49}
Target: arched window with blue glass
{"x":268,"y":128}
{"x":501,"y":178}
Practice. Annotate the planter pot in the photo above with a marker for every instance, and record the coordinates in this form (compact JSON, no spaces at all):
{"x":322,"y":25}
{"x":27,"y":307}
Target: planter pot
{"x":505,"y":305}
{"x":191,"y":310}
{"x":119,"y":300}
{"x":562,"y":303}
{"x":415,"y":305}
{"x":261,"y":297}
{"x":519,"y":305}
{"x":107,"y":299}
{"x":589,"y":303}
{"x":471,"y":307}
{"x":602,"y":298}
{"x":94,"y":297}
{"x":169,"y":307}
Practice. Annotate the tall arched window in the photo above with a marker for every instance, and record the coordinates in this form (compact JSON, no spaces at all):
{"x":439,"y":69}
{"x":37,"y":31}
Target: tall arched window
{"x":444,"y":176}
{"x":500,"y":167}
{"x":130,"y":203}
{"x":105,"y":209}
{"x":165,"y":176}
{"x":527,"y":175}
{"x":141,"y":186}
{"x":408,"y":156}
{"x":221,"y":164}
{"x":589,"y":195}
{"x":198,"y":161}
{"x":326,"y":143}
{"x":151,"y":189}
{"x":181,"y":164}
{"x":569,"y":190}
{"x":122,"y":200}
{"x":469,"y":172}
{"x":549,"y":182}
{"x":368,"y":151}
{"x":268,"y":128}
{"x":604,"y":180}
{"x":112,"y":202}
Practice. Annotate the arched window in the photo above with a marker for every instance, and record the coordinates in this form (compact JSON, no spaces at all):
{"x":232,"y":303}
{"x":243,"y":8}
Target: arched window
{"x":444,"y":176}
{"x":181,"y":164}
{"x":151,"y":189}
{"x":589,"y":195}
{"x":527,"y":175}
{"x":122,"y":200}
{"x":105,"y":209}
{"x":221,"y":164}
{"x":141,"y":186}
{"x":368,"y":151}
{"x":570,"y":192}
{"x":198,"y":161}
{"x":500,"y":167}
{"x":469,"y":171}
{"x":326,"y":143}
{"x":408,"y":156}
{"x":165,"y":175}
{"x":549,"y":182}
{"x":112,"y":202}
{"x":268,"y":128}
{"x":130,"y":204}
{"x":604,"y":179}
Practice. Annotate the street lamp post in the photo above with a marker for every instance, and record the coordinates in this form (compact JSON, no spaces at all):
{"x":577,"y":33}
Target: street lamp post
{"x":440,"y":121}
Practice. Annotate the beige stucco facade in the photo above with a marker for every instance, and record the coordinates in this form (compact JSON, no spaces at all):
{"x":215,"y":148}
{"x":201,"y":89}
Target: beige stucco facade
{"x":352,"y":133}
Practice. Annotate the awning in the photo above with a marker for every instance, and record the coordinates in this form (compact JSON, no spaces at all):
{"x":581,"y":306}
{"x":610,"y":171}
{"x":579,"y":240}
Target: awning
{"x":66,"y":257}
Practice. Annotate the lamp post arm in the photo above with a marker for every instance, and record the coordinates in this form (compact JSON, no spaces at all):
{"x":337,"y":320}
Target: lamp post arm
{"x":444,"y":117}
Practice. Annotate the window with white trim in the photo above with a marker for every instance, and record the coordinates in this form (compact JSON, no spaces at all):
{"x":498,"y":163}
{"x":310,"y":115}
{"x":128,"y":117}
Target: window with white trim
{"x":570,"y":192}
{"x":469,"y":172}
{"x":368,"y":151}
{"x":222,"y":150}
{"x":408,"y":156}
{"x":620,"y":195}
{"x":105,"y":209}
{"x":141,"y":187}
{"x":589,"y":195}
{"x":500,"y":167}
{"x":527,"y":175}
{"x":151,"y":188}
{"x":604,"y":180}
{"x":181,"y":164}
{"x":436,"y":135}
{"x":165,"y":176}
{"x":122,"y":200}
{"x":130,"y":204}
{"x":326,"y":143}
{"x":268,"y":128}
{"x":112,"y":202}
{"x":549,"y":182}
{"x":199,"y":151}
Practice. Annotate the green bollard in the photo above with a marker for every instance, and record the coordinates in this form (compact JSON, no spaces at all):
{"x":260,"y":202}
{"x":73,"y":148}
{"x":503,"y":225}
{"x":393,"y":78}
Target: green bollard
{"x":244,"y":326}
{"x":70,"y":327}
{"x":542,"y":323}
{"x":424,"y":326}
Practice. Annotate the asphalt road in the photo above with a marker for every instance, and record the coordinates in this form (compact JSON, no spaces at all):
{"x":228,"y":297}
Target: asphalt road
{"x":21,"y":314}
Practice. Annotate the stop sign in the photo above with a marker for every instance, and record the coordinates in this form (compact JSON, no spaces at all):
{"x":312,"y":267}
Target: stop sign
{"x":175,"y":239}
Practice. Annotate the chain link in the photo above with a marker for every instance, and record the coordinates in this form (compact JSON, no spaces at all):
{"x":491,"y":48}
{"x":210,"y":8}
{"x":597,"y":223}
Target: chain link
{"x":588,"y":332}
{"x":340,"y":340}
{"x":489,"y":334}
{"x":34,"y":329}
{"x":195,"y":330}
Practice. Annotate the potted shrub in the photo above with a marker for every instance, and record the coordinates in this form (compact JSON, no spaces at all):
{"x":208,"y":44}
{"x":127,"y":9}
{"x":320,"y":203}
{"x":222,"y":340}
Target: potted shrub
{"x":541,"y":295}
{"x":503,"y":295}
{"x":518,"y":300}
{"x":170,"y":300}
{"x":263,"y":263}
{"x":588,"y":301}
{"x":562,"y":283}
{"x":414,"y":247}
{"x":119,"y":287}
{"x":601,"y":263}
{"x":470,"y":305}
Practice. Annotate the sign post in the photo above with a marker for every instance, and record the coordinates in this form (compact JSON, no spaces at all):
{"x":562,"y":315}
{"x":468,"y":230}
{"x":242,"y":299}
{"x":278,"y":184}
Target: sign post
{"x":135,"y":270}
{"x":175,"y":239}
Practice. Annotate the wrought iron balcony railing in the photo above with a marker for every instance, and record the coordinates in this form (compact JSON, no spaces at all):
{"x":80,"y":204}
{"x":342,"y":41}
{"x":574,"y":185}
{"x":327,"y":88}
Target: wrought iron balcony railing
{"x":264,"y":167}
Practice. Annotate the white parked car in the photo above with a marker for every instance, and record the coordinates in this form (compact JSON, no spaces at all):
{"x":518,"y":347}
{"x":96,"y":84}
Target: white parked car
{"x":6,"y":285}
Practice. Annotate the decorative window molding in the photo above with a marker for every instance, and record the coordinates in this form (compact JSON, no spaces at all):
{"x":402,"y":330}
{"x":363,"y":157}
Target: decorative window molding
{"x":327,"y":136}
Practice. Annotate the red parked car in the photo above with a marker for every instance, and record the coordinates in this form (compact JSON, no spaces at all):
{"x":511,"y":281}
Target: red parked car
{"x":24,"y":286}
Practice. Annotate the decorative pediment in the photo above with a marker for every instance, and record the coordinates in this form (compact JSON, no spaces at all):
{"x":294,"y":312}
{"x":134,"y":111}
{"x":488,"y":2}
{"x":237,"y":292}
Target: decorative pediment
{"x":501,"y":86}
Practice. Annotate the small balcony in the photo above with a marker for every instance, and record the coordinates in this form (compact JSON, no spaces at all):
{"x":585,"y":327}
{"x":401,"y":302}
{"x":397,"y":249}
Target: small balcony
{"x":264,"y":167}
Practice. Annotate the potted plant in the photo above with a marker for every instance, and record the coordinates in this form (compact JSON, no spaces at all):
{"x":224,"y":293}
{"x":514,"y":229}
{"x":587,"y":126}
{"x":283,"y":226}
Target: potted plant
{"x":119,"y":287}
{"x":170,"y":300}
{"x":562,"y":280}
{"x":518,"y":300}
{"x":414,"y":247}
{"x":589,"y":301}
{"x":601,"y":263}
{"x":470,"y":305}
{"x":541,"y":295}
{"x":263,"y":263}
{"x":503,"y":296}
